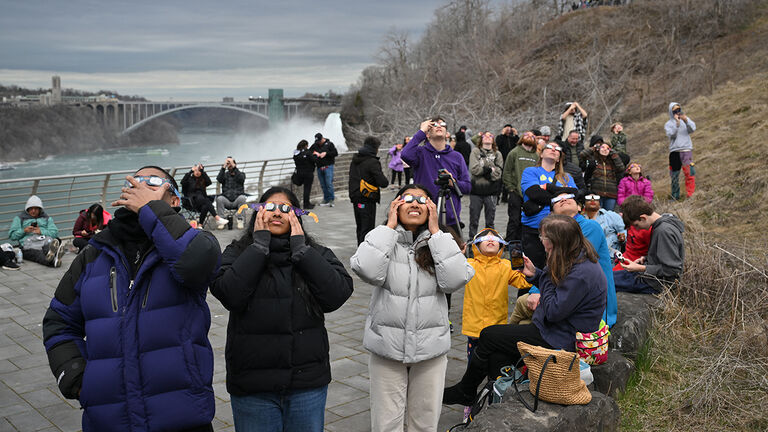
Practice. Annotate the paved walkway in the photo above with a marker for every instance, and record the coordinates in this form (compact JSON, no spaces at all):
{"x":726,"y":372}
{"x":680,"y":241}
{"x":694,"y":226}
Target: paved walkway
{"x":30,"y":400}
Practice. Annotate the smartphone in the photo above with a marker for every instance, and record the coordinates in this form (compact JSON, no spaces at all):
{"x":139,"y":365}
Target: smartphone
{"x":516,"y":255}
{"x":34,"y":224}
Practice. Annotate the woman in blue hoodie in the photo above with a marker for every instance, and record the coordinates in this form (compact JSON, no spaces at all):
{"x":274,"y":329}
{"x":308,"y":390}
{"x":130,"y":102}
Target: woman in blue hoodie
{"x":573,"y":298}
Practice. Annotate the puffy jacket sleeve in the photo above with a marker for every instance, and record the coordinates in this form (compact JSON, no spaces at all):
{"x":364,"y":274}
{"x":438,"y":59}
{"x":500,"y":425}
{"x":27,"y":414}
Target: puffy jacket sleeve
{"x":49,"y":229}
{"x":325,"y":275}
{"x":220,"y":177}
{"x":451,"y":267}
{"x":193,"y":256}
{"x":647,"y":190}
{"x":64,"y":327}
{"x":371,"y":260}
{"x":623,"y":191}
{"x":79,"y":225}
{"x":16,"y":232}
{"x":241,"y":270}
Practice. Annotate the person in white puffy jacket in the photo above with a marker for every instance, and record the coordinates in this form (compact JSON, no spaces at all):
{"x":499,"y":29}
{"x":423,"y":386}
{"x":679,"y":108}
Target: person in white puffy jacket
{"x":411,"y":264}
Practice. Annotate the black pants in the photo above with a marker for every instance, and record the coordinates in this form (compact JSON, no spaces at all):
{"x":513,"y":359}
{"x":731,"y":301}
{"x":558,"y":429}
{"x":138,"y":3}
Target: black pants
{"x":498,"y":345}
{"x":37,"y":255}
{"x":202,"y":205}
{"x":399,"y":175}
{"x":532,"y":246}
{"x":514,"y":207}
{"x":408,"y":175}
{"x":307,"y":178}
{"x":80,"y":243}
{"x":365,"y":219}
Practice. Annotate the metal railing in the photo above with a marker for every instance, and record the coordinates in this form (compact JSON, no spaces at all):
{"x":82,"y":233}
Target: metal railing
{"x":65,"y":196}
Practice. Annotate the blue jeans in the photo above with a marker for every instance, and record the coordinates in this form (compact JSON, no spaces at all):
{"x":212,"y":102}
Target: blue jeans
{"x":608,"y":203}
{"x":630,"y":282}
{"x":325,"y":176}
{"x":290,"y":410}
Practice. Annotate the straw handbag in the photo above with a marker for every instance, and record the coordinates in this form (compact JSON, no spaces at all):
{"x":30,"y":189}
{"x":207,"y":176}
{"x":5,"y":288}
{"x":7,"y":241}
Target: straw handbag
{"x":554,"y":376}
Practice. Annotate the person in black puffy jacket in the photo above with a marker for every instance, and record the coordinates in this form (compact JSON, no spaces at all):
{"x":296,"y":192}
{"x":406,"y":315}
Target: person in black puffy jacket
{"x":277,"y":284}
{"x":365,"y":174}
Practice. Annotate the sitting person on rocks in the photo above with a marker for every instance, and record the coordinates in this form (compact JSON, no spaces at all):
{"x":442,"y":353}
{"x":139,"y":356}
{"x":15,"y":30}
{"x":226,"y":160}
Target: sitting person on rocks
{"x":610,"y":221}
{"x":573,"y":299}
{"x":664,"y":262}
{"x":37,"y":234}
{"x":636,"y":246}
{"x":564,"y":203}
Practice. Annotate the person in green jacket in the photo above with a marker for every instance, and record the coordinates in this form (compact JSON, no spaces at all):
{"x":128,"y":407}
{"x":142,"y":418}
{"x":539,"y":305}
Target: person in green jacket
{"x":37,"y":234}
{"x":518,"y":159}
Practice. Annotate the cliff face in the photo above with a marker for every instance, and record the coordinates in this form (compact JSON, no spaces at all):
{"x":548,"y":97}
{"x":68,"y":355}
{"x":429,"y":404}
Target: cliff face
{"x":33,"y":133}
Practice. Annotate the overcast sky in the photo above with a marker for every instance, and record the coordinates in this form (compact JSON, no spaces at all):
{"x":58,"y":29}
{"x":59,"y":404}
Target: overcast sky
{"x":198,"y":49}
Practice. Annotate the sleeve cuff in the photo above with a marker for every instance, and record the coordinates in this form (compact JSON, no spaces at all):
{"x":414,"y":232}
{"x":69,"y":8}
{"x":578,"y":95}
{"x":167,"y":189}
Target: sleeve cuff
{"x":261,"y":240}
{"x":298,"y":247}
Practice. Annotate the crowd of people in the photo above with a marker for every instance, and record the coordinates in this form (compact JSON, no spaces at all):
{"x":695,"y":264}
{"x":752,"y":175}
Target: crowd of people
{"x":126,"y":333}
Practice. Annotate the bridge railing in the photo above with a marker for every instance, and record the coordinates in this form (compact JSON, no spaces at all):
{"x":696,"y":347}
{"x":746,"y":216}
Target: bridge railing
{"x":64,"y":196}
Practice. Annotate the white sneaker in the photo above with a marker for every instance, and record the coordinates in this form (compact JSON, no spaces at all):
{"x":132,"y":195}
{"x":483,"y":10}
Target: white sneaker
{"x":59,"y":253}
{"x":221,"y":223}
{"x":53,"y":248}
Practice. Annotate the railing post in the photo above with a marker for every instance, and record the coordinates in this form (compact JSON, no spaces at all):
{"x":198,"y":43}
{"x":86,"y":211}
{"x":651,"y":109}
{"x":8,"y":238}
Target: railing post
{"x":261,"y":177}
{"x":104,"y":190}
{"x":35,"y":185}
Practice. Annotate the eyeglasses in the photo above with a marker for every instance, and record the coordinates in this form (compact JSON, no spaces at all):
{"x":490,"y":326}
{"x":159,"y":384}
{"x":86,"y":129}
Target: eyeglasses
{"x":410,"y":198}
{"x":557,"y":199}
{"x":488,"y":134}
{"x":285,"y":208}
{"x":438,"y":124}
{"x":553,"y":147}
{"x":592,"y":197}
{"x":542,"y":238}
{"x":153,"y":181}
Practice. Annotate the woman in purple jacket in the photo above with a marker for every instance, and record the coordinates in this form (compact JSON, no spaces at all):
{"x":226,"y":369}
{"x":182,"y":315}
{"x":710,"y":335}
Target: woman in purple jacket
{"x":573,"y":298}
{"x":634,"y":183}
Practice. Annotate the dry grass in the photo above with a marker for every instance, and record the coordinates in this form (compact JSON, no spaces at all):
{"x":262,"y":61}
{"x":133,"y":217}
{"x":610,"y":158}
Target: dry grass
{"x":706,"y":367}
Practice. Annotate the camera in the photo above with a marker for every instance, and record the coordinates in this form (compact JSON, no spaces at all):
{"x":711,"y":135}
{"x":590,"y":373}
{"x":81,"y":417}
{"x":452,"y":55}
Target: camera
{"x":618,"y":258}
{"x":443,"y":177}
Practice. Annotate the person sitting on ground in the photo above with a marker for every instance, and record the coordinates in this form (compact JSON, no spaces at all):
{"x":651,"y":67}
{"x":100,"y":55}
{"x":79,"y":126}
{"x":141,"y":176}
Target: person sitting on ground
{"x":88,"y":223}
{"x":663,"y":264}
{"x":232,"y":182}
{"x":193,"y":187}
{"x":411,"y":264}
{"x":634,"y":183}
{"x":604,"y":169}
{"x":366,"y":180}
{"x":486,"y":165}
{"x":610,"y":221}
{"x":37,"y":234}
{"x":565,"y":202}
{"x":573,"y":299}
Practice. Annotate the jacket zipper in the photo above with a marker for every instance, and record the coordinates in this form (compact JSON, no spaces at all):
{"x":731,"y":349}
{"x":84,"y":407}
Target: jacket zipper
{"x":113,"y":288}
{"x":146,"y":296}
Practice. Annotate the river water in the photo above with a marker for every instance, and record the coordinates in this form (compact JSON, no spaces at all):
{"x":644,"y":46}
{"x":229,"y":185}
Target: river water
{"x":208,"y":145}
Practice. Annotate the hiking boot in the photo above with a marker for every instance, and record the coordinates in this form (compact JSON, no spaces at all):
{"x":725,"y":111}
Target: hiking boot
{"x":10,"y":265}
{"x":53,"y":248}
{"x":60,"y":251}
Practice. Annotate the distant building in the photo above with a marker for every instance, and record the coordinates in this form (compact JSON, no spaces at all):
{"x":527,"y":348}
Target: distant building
{"x":55,"y":90}
{"x":228,"y":99}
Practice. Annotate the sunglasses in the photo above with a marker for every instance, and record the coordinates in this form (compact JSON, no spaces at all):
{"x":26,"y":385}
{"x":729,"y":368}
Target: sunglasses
{"x":553,"y":147}
{"x":153,"y":181}
{"x":557,"y":199}
{"x":284,"y":208}
{"x":592,"y":197}
{"x":488,"y":134}
{"x":410,"y":198}
{"x":438,"y":124}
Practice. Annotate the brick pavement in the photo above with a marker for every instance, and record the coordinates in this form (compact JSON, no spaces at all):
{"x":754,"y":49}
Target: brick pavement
{"x":30,"y":400}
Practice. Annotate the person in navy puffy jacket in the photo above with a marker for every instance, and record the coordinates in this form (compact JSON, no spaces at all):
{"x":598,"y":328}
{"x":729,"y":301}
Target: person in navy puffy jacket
{"x":127,"y":330}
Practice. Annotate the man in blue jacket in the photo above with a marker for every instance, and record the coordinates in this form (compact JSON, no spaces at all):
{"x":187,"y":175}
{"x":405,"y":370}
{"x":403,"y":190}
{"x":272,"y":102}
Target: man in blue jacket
{"x":132,"y":309}
{"x":426,"y":161}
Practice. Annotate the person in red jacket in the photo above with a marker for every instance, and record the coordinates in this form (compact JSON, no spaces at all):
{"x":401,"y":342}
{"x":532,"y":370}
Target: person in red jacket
{"x":634,"y":183}
{"x":89,"y":223}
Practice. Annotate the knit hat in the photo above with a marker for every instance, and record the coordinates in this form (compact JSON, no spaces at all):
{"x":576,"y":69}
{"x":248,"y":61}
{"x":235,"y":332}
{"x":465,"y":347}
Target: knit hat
{"x":596,"y":139}
{"x":546,"y":131}
{"x":34,"y":201}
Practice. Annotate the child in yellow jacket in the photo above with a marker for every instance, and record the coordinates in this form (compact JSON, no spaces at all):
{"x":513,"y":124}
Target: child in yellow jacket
{"x":486,"y":295}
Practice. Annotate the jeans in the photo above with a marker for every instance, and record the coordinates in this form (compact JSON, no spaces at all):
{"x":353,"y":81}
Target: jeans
{"x":476,"y":205}
{"x":608,"y":203}
{"x":325,"y":176}
{"x":290,"y":410}
{"x":631,"y":282}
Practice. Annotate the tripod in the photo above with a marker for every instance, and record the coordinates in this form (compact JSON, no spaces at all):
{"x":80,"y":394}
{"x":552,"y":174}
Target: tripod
{"x":443,"y":195}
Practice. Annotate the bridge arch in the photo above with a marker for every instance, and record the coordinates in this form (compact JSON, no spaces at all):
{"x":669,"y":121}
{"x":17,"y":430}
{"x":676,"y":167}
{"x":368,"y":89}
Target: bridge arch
{"x":186,"y":107}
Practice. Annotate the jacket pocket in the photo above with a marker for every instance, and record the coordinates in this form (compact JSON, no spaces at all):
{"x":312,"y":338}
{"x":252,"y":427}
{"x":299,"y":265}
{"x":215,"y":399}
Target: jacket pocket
{"x":113,"y":288}
{"x":146,"y":295}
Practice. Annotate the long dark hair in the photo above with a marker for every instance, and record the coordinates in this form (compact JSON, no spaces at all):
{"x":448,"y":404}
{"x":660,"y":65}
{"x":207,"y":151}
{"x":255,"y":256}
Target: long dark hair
{"x":423,"y":256}
{"x":247,"y":237}
{"x":95,"y":211}
{"x":568,"y":243}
